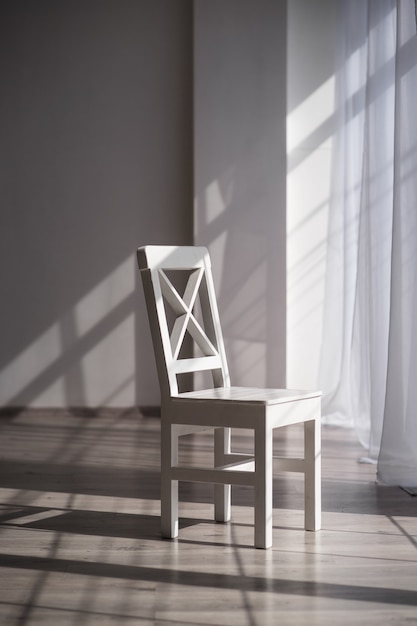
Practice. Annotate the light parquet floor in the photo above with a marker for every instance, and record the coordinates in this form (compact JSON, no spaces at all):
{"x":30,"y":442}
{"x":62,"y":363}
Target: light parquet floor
{"x":80,"y":544}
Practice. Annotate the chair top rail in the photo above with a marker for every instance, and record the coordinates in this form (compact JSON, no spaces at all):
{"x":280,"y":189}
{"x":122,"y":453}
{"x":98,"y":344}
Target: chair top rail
{"x":172,"y":257}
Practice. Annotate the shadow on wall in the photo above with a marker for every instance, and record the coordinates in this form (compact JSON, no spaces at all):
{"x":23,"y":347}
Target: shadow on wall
{"x":96,"y":134}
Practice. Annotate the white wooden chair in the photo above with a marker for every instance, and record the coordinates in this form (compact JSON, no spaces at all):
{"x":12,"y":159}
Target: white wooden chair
{"x":172,"y":315}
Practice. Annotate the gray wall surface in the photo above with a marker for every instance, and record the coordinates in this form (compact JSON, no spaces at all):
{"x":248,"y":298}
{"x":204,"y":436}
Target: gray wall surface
{"x":132,"y":122}
{"x":96,"y":159}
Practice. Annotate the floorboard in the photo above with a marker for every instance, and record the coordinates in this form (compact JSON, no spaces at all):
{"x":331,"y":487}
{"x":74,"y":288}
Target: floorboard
{"x":80,"y":543}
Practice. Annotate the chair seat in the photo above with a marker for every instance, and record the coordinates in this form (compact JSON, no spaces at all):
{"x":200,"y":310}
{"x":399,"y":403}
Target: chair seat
{"x":266,"y":397}
{"x":243,"y":407}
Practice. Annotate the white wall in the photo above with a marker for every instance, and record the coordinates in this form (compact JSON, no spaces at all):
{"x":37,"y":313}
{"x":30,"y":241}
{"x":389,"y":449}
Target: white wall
{"x":97,"y":151}
{"x":96,"y":127}
{"x":311,"y":64}
{"x":240,"y":171}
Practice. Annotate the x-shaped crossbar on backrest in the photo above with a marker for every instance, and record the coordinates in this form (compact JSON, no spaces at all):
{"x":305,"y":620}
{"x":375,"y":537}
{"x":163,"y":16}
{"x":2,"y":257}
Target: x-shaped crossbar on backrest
{"x":183,"y":307}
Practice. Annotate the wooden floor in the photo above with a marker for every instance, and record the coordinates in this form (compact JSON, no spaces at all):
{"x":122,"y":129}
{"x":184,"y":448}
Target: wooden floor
{"x":80,"y":544}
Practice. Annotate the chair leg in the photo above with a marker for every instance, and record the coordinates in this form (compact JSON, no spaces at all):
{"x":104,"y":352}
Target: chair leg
{"x":222,"y":493}
{"x":312,"y":475}
{"x":169,"y":487}
{"x":263,"y":486}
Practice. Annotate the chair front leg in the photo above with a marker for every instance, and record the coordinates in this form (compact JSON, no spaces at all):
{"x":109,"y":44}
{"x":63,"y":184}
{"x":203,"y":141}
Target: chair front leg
{"x":222,"y":493}
{"x":312,"y":474}
{"x":169,"y":487}
{"x":263,"y":485}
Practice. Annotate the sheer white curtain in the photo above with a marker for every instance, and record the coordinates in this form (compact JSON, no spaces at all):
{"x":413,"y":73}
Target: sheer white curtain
{"x":369,"y":356}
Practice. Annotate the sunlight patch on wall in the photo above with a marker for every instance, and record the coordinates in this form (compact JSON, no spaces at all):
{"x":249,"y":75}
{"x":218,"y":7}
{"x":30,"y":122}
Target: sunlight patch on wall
{"x":210,"y":207}
{"x":310,"y":115}
{"x":310,"y":143}
{"x":86,"y":358}
{"x":306,"y":251}
{"x":112,"y":382}
{"x":35,"y":358}
{"x":105,"y":296}
{"x":215,"y":202}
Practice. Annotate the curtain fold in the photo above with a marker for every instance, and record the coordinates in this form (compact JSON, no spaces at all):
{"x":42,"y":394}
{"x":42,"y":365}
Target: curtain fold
{"x":367,"y":363}
{"x":397,"y":462}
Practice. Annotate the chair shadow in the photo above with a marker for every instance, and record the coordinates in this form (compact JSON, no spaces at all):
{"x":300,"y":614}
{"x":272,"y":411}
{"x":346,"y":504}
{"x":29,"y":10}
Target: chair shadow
{"x":93,"y":523}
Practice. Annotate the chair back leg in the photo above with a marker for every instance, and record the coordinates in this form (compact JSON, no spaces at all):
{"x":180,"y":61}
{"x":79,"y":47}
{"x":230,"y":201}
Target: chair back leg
{"x":312,"y":475}
{"x":169,"y":487}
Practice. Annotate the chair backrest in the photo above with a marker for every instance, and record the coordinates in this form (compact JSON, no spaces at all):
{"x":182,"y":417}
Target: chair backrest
{"x":181,"y":302}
